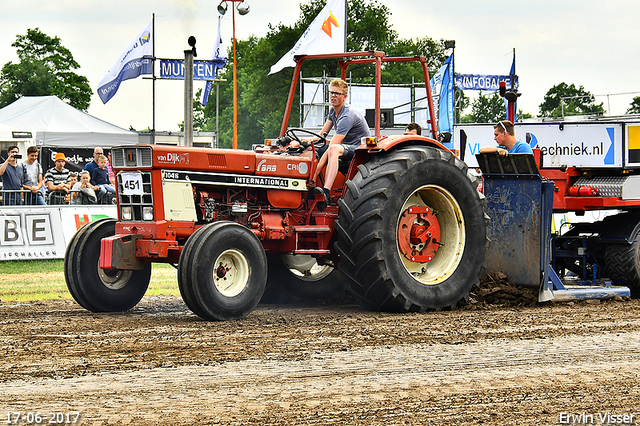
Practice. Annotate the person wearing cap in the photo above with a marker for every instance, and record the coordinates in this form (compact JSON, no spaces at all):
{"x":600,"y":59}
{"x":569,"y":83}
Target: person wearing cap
{"x":57,"y":178}
{"x":505,"y":136}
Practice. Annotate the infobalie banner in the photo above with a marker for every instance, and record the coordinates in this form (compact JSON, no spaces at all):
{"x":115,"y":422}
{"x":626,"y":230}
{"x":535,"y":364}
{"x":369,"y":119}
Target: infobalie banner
{"x":483,"y":82}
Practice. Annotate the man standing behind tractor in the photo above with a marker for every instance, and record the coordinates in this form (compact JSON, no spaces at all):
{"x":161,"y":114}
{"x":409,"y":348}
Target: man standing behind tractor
{"x":413,"y":129}
{"x":350,"y":127}
{"x":92,"y":165}
{"x":12,"y":177}
{"x":32,"y":172}
{"x":505,"y":135}
{"x":57,"y":179}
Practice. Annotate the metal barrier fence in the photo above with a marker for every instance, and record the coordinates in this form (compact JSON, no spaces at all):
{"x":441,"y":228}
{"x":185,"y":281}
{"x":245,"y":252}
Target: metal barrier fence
{"x":21,"y":197}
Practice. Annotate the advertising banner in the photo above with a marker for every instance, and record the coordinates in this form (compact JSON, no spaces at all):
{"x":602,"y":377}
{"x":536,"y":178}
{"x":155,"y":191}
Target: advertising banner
{"x":482,"y":82}
{"x":202,"y":70}
{"x":37,"y":233}
{"x":561,"y":144}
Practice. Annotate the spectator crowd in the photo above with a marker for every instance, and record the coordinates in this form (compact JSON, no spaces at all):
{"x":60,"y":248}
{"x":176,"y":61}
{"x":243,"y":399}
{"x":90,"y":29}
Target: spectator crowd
{"x":23,"y":182}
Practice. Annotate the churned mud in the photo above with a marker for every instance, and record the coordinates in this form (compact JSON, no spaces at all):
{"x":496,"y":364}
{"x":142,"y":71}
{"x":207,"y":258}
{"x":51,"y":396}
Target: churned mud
{"x":501,"y":359}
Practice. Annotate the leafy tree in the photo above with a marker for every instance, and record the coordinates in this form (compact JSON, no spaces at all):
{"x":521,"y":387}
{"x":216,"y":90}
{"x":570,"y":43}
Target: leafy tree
{"x":45,"y":68}
{"x":569,"y":100}
{"x":523,"y":115}
{"x":461,"y":103}
{"x":262,"y":97}
{"x":486,"y":109}
{"x":634,"y":107}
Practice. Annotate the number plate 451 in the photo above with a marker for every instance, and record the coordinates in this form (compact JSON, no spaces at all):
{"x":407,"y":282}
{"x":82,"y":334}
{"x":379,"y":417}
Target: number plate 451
{"x":131,"y":183}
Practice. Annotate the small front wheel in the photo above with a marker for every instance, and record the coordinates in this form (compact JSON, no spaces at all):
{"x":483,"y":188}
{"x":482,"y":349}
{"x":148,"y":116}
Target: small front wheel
{"x":97,"y":289}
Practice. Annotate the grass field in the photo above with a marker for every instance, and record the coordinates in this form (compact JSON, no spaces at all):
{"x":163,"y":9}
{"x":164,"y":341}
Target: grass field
{"x":44,"y":279}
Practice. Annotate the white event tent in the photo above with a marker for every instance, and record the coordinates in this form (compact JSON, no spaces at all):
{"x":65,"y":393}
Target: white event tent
{"x":57,"y":124}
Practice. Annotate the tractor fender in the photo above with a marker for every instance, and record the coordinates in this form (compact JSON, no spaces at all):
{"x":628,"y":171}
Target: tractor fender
{"x":620,"y":228}
{"x":388,"y":143}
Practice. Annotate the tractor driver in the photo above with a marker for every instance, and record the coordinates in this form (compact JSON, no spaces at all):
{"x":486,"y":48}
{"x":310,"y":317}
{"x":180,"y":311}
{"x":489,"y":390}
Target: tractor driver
{"x":350,"y":127}
{"x":505,"y":135}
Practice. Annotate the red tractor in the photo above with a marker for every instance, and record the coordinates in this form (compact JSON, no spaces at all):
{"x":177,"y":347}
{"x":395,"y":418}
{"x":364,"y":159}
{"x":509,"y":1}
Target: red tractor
{"x":406,"y":229}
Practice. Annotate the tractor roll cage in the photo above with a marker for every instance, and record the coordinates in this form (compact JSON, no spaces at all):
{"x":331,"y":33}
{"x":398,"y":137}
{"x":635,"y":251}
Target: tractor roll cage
{"x":364,"y":57}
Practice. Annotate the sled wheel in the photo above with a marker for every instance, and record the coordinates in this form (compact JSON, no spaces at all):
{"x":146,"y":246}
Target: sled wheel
{"x":622,"y":261}
{"x":97,"y":289}
{"x":228,"y":273}
{"x":412,"y":231}
{"x":300,"y":278}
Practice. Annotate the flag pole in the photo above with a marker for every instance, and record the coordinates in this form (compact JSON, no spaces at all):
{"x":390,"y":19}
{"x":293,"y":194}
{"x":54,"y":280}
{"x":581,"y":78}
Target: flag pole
{"x":346,"y":13}
{"x":235,"y":82}
{"x":153,"y":77}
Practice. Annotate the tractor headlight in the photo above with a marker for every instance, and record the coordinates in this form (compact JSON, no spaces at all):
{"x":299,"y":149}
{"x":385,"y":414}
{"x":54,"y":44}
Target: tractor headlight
{"x":126,"y":213}
{"x":147,"y":213}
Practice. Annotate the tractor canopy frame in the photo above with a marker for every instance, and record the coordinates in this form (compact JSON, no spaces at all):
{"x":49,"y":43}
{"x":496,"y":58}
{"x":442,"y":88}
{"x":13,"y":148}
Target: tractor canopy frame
{"x":352,"y":58}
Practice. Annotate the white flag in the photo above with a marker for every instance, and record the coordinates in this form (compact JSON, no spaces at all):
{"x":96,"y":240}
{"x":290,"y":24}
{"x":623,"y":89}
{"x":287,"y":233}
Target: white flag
{"x":133,"y":61}
{"x":219,"y":54}
{"x":326,"y":34}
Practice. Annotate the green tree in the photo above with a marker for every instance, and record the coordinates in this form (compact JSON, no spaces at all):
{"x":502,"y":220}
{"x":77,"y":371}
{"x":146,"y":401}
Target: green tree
{"x":563,"y":99}
{"x":634,"y":107}
{"x":262,"y":97}
{"x":461,"y":103}
{"x":486,"y":109}
{"x":45,"y":68}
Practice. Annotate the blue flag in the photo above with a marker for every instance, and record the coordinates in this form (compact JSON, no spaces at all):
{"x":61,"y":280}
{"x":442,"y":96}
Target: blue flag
{"x":442,"y":91}
{"x":220,"y":56}
{"x":135,"y":60}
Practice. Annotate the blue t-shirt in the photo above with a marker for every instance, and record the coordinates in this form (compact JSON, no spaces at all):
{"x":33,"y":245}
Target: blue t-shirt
{"x":12,"y":178}
{"x":349,"y":123}
{"x":521,"y":148}
{"x":90,"y":167}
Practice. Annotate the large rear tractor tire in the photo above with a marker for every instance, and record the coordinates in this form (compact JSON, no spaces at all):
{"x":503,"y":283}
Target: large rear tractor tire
{"x":222,"y":271}
{"x":94,"y":288}
{"x":412,"y":231}
{"x":299,"y":278}
{"x":622,"y":261}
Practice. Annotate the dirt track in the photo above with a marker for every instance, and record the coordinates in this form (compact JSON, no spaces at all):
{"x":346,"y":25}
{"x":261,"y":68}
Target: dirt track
{"x":160,"y":365}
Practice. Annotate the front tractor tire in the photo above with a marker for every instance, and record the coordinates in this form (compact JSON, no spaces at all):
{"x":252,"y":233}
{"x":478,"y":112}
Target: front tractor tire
{"x":222,"y":271}
{"x":412,"y":231}
{"x":94,"y":288}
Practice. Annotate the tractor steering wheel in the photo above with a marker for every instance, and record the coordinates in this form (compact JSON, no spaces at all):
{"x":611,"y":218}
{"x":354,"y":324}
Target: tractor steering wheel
{"x":292,"y":134}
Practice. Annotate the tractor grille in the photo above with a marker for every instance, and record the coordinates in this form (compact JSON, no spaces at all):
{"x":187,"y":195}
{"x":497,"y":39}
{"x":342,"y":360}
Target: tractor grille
{"x":137,"y":202}
{"x":132,"y":157}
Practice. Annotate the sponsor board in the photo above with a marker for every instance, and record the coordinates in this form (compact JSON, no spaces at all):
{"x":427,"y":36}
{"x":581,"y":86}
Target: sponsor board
{"x":561,"y":144}
{"x":36,"y":232}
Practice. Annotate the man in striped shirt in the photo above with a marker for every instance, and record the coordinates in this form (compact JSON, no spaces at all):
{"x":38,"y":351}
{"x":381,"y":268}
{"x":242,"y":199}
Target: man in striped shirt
{"x":57,"y":178}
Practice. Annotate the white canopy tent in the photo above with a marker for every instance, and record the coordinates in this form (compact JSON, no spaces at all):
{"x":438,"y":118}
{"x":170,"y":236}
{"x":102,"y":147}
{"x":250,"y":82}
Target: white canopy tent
{"x":5,"y":133}
{"x":56,"y":123}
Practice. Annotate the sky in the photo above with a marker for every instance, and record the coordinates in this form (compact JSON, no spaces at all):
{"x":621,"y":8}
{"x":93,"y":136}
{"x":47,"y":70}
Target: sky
{"x":586,"y":43}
